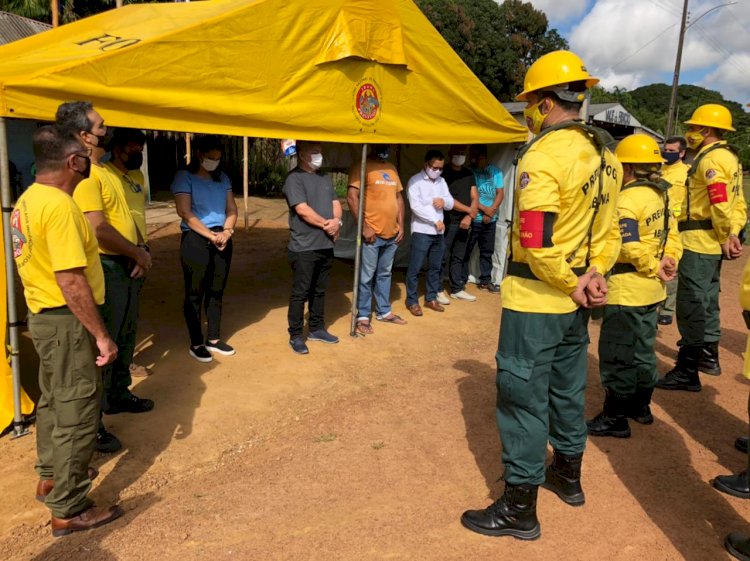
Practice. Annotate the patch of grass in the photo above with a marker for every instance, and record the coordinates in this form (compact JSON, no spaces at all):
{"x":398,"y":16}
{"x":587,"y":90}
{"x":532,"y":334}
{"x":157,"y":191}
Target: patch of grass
{"x":378,"y":445}
{"x":329,"y":437}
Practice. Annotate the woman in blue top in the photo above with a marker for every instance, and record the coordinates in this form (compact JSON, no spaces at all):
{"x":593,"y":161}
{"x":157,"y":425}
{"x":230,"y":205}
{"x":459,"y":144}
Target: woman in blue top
{"x":205,"y":203}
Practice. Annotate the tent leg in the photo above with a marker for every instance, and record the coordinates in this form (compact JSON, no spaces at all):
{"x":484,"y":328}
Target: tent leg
{"x":358,"y":251}
{"x":245,"y":176}
{"x":19,"y":429}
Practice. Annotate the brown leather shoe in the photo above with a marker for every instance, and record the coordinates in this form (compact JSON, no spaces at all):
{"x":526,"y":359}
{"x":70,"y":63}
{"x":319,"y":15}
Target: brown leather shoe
{"x":434,"y":305}
{"x":92,"y":517}
{"x":415,"y":310}
{"x":45,"y":486}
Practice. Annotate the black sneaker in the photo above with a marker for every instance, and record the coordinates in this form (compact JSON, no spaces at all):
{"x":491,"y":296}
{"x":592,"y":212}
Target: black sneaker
{"x":219,"y":347}
{"x":200,"y":353}
{"x":664,"y":320}
{"x":490,"y":287}
{"x":323,"y":336}
{"x":298,"y":345}
{"x":129,"y":404}
{"x":106,"y":442}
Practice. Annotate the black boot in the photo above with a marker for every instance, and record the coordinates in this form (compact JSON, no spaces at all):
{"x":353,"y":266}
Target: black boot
{"x":684,"y":375}
{"x":709,"y":361}
{"x":513,"y":514}
{"x":741,"y":444}
{"x":735,"y":485}
{"x":563,"y":477}
{"x":640,"y":406}
{"x":738,"y":545}
{"x":612,"y":420}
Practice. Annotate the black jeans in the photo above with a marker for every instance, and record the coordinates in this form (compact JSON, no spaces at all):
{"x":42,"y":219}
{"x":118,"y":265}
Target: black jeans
{"x":309,"y":283}
{"x":485,"y":235}
{"x":205,"y":270}
{"x":455,"y":252}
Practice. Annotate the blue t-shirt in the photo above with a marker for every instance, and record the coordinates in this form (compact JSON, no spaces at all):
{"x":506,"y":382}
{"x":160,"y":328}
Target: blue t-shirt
{"x":208,"y":197}
{"x":488,"y":180}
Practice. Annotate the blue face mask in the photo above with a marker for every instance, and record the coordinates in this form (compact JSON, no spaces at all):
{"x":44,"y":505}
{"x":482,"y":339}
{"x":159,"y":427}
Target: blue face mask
{"x":671,"y":157}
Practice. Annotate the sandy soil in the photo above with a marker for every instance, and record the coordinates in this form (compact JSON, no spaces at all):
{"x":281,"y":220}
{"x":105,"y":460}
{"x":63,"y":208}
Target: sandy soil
{"x":372,"y":448}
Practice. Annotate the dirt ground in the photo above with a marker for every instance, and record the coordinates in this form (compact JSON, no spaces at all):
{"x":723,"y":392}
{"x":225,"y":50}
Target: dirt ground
{"x":370,"y":449}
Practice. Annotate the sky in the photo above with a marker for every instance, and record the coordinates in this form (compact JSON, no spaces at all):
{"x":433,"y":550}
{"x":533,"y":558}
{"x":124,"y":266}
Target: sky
{"x":631,"y":43}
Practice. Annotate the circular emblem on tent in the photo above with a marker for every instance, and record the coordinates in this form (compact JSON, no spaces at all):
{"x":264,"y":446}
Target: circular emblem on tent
{"x":367,"y":101}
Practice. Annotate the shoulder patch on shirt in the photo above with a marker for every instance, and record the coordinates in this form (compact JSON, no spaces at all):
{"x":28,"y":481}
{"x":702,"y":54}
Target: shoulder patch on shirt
{"x":629,"y":230}
{"x":710,"y":173}
{"x":524,"y":180}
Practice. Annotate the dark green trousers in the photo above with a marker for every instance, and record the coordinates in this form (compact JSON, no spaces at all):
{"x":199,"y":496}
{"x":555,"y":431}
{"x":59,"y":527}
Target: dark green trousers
{"x":541,"y":380}
{"x":67,"y":414}
{"x":698,"y":298}
{"x":120,"y":315}
{"x":627,"y":360}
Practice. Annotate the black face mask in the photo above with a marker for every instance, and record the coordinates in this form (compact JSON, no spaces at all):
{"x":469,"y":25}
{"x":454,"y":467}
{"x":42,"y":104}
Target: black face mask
{"x":103,"y":140}
{"x":135,"y":161}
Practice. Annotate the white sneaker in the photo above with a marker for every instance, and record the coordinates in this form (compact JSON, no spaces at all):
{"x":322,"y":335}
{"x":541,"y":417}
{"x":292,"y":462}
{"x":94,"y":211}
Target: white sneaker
{"x":463,"y":295}
{"x":442,"y":298}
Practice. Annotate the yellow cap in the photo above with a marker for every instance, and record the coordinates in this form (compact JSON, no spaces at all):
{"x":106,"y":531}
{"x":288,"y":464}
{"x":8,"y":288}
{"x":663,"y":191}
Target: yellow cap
{"x":638,"y":149}
{"x":557,"y":68}
{"x":712,"y":115}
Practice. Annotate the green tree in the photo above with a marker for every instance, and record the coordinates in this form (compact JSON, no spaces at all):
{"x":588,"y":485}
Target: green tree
{"x":496,"y":41}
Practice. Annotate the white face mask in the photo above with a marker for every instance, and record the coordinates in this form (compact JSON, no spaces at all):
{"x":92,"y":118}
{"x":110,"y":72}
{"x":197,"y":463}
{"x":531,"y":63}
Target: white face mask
{"x":459,"y":160}
{"x":210,"y":165}
{"x":316,"y":161}
{"x":433,"y":174}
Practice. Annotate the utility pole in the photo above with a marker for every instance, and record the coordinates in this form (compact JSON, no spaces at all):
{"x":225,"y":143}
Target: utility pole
{"x":676,"y":77}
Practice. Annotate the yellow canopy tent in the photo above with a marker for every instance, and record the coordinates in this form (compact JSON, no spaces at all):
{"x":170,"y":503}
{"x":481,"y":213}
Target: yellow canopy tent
{"x":356,"y":71}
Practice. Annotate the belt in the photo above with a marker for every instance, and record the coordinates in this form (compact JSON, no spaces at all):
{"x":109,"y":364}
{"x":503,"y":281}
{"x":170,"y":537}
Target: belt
{"x":695,"y":225}
{"x":518,"y":269}
{"x":621,"y":268}
{"x":56,"y":311}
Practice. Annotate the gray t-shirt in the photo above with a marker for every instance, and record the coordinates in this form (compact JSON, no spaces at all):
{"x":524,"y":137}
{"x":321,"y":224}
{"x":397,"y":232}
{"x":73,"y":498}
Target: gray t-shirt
{"x":315,"y":189}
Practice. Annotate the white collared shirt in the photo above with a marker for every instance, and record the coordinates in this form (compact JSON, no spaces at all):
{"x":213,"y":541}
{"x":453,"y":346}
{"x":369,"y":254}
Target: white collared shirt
{"x":421,"y":191}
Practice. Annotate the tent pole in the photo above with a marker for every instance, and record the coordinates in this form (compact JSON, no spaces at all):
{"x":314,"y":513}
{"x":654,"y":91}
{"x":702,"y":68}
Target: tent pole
{"x":358,"y":252}
{"x":245,"y":175}
{"x":18,"y":427}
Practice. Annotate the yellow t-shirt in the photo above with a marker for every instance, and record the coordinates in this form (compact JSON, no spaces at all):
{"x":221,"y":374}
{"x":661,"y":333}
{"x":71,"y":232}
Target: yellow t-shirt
{"x":133,"y":186}
{"x":560,"y":175}
{"x":724,"y":206}
{"x":641,"y":211}
{"x":50,"y":234}
{"x":676,"y":175}
{"x":104,"y":191}
{"x":381,"y":202}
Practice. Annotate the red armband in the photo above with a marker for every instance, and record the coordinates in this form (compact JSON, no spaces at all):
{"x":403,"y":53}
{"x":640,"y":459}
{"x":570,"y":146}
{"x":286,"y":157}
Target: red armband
{"x":717,"y":193}
{"x":535,"y":228}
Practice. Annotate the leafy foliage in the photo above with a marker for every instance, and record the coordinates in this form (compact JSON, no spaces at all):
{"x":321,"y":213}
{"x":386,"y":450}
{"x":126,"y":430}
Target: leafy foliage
{"x":496,"y":41}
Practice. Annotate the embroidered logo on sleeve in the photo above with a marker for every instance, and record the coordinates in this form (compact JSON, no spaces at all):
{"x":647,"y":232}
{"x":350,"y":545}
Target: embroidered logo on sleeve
{"x":524,"y":180}
{"x":710,"y":174}
{"x":717,"y":193}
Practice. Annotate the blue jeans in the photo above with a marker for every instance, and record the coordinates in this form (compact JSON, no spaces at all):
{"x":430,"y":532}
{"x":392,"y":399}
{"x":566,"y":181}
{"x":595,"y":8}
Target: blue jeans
{"x":484,"y":234}
{"x":375,"y":269}
{"x":432,"y":247}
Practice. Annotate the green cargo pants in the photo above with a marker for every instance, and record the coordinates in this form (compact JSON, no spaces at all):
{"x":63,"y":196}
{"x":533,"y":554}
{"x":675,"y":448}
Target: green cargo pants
{"x":627,"y":360}
{"x":668,"y":307}
{"x":67,"y":414}
{"x":698,"y":298}
{"x":541,"y":380}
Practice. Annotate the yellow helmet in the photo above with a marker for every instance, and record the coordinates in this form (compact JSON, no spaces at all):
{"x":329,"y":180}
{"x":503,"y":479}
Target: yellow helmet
{"x":638,"y":149}
{"x":712,"y":115}
{"x":553,"y":72}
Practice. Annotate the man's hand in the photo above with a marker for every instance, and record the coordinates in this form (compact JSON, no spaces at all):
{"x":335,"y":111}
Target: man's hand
{"x":486,"y":219}
{"x":465,"y":223}
{"x":732,"y":248}
{"x":439,"y":226}
{"x":400,"y":235}
{"x":368,"y":233}
{"x":596,"y":290}
{"x":438,"y":203}
{"x":667,"y":269}
{"x":473,"y":213}
{"x":137,"y":272}
{"x":143,"y":258}
{"x":579,"y":294}
{"x":107,"y":351}
{"x":220,"y":240}
{"x":332,"y":227}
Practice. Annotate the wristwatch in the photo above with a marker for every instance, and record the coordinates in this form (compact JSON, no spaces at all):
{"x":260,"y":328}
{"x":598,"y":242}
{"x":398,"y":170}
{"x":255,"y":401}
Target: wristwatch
{"x":341,"y":223}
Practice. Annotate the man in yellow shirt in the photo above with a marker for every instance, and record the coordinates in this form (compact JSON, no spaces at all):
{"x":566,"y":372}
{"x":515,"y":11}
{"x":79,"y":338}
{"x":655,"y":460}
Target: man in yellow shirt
{"x":56,"y":255}
{"x":674,"y":172}
{"x":650,"y":252}
{"x":715,"y":214}
{"x":124,"y":256}
{"x":565,"y":236}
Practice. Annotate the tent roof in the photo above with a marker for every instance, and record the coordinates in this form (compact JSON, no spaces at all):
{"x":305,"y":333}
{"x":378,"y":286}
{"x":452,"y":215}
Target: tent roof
{"x":331,"y":70}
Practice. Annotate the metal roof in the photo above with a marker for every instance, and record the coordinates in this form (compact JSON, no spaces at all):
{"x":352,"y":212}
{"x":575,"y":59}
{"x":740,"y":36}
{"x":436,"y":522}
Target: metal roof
{"x":13,"y":27}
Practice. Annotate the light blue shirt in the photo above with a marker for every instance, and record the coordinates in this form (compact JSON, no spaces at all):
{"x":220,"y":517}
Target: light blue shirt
{"x":208,"y":198}
{"x":421,"y":190}
{"x":489,"y":180}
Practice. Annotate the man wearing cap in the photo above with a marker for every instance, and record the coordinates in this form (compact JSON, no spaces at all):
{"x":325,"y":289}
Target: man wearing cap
{"x":715,"y":215}
{"x":648,"y":258}
{"x":674,"y":172}
{"x":565,"y":237}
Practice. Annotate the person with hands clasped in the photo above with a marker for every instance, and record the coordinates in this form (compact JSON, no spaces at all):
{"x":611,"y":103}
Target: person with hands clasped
{"x":205,"y":202}
{"x":651,"y":249}
{"x":428,"y":197}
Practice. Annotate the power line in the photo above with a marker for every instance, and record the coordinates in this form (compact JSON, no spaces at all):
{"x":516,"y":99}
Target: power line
{"x":643,"y":47}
